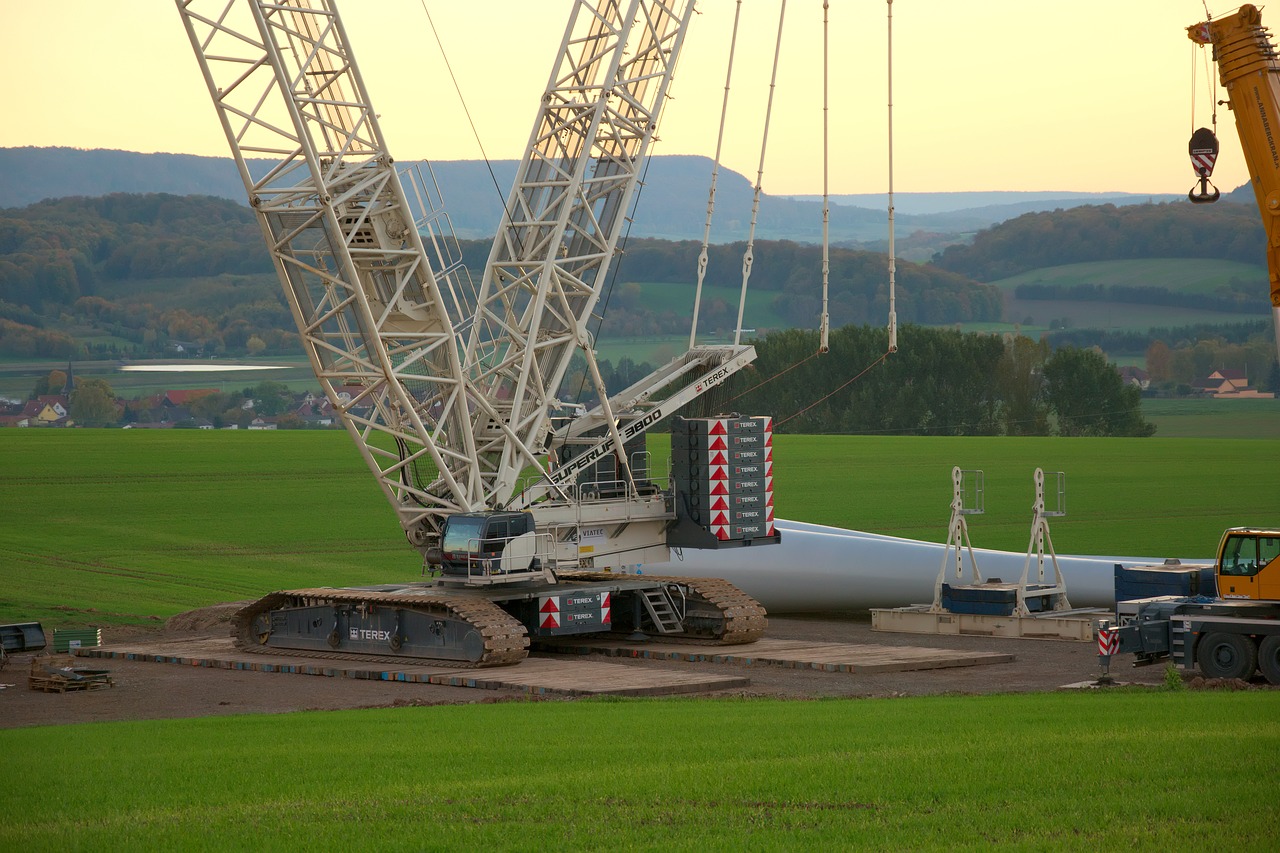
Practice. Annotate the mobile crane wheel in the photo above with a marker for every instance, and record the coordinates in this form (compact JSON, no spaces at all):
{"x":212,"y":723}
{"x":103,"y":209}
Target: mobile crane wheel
{"x":1223,"y":655}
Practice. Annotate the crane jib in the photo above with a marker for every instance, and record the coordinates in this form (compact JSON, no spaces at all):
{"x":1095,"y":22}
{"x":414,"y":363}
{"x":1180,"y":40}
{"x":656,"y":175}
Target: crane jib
{"x":568,"y":470}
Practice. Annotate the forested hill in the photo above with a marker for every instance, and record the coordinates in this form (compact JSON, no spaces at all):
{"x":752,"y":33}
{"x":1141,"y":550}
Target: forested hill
{"x":141,"y":269}
{"x":672,"y":203}
{"x":57,"y":251}
{"x":1223,"y":231}
{"x":672,"y":199}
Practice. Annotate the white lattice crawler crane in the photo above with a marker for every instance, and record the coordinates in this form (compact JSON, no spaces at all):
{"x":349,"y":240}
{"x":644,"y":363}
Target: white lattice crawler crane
{"x":448,"y":392}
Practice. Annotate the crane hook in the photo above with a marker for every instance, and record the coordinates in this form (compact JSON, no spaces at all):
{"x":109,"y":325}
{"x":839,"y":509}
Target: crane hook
{"x":1203,"y":149}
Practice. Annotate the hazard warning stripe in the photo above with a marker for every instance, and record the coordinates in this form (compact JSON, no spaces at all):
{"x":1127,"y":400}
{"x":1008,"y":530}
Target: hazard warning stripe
{"x":1203,"y":163}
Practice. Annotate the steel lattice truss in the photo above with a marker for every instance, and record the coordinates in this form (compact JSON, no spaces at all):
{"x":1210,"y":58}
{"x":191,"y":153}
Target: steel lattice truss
{"x":372,"y":315}
{"x":380,"y":296}
{"x":564,"y":217}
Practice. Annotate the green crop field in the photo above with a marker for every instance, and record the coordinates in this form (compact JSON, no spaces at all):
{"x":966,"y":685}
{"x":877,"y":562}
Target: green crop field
{"x":677,"y":297}
{"x":1178,"y":275}
{"x":1209,"y":418}
{"x":1118,"y":770}
{"x":124,"y":526}
{"x":17,"y":378}
{"x":116,"y":527}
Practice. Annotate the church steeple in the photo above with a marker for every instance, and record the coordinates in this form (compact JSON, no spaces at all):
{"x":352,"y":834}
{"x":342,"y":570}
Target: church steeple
{"x":71,"y":384}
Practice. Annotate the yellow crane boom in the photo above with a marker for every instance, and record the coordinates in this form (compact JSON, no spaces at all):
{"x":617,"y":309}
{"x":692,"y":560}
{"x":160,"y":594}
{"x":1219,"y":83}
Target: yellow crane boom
{"x":1248,"y":68}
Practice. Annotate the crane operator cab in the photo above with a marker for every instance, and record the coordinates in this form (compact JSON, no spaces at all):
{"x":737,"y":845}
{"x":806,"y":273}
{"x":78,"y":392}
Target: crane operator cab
{"x":488,"y":546}
{"x":1249,"y":564}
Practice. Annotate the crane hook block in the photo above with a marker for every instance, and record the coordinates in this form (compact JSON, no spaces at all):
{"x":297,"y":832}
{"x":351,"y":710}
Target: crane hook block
{"x":1203,"y":149}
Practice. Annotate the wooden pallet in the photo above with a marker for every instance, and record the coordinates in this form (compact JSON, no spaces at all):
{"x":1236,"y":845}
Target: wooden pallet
{"x":55,"y":675}
{"x":65,"y":685}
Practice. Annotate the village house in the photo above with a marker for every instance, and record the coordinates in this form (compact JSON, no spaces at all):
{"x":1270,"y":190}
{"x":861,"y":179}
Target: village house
{"x":1135,"y":376}
{"x":47,"y":410}
{"x":1229,"y":383}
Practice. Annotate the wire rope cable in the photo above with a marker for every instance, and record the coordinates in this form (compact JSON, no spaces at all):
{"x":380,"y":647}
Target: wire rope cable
{"x":893,"y":263}
{"x":747,"y":256}
{"x":465,"y":109}
{"x":715,"y":172}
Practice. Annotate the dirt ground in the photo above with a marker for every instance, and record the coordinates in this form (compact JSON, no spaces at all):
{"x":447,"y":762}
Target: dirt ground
{"x":146,"y":691}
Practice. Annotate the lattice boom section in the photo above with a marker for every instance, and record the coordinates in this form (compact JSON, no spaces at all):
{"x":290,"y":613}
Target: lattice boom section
{"x":566,"y":211}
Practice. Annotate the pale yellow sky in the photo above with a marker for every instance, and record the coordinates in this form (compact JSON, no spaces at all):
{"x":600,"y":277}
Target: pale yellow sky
{"x":1088,"y":95}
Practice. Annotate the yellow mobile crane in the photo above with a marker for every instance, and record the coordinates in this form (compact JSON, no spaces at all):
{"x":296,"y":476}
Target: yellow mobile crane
{"x":1247,"y":65}
{"x":1234,"y":631}
{"x":1228,"y":635}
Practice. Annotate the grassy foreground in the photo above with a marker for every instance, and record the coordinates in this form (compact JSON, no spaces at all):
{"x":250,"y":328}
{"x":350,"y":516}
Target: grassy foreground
{"x":107,"y":527}
{"x":1153,"y":771}
{"x":116,"y":527}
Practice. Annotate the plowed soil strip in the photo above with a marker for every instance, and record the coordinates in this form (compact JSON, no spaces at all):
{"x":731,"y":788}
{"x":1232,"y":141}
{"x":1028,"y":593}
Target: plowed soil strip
{"x":534,"y":675}
{"x":796,"y":654}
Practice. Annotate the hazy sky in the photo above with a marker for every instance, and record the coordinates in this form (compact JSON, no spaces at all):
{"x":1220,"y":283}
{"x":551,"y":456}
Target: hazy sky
{"x":1087,"y":95}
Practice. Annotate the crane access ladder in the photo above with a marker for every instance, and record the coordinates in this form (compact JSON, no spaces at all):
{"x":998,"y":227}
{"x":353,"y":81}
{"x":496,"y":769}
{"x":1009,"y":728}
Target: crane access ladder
{"x":661,"y":608}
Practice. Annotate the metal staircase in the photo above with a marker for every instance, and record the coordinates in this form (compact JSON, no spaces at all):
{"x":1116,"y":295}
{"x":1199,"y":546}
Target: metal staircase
{"x":662,"y":610}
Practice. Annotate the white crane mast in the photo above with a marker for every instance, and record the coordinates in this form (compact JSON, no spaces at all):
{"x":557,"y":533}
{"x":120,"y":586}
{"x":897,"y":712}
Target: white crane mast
{"x":448,"y":393}
{"x":372,"y":313}
{"x":563,"y":219}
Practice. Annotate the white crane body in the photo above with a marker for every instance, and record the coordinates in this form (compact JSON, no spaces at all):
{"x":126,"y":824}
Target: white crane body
{"x":448,"y":390}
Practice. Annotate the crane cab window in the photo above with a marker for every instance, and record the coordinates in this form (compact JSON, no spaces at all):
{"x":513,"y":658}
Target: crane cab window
{"x":1241,"y":555}
{"x":462,"y":536}
{"x":1268,"y":550}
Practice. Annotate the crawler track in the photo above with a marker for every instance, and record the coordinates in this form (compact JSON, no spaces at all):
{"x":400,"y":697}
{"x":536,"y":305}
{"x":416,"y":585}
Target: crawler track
{"x":480,"y":634}
{"x":504,"y":640}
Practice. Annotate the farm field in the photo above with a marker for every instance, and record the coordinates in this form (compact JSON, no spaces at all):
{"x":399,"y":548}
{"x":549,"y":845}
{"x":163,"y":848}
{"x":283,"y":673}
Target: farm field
{"x":1178,"y":275}
{"x":18,"y":378}
{"x":1209,"y":418}
{"x":111,"y":527}
{"x":130,"y":527}
{"x":882,"y":774}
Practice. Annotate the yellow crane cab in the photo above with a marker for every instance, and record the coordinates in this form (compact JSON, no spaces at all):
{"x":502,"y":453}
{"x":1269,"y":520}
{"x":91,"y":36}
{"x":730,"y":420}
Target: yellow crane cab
{"x":1248,"y":564}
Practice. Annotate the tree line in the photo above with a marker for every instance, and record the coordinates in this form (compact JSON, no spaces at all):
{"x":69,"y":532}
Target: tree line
{"x":939,"y":382}
{"x":147,"y":274}
{"x":792,"y":272}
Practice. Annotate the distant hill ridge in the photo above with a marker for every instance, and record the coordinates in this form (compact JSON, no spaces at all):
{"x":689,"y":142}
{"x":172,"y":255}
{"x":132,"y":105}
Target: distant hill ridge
{"x":672,"y":201}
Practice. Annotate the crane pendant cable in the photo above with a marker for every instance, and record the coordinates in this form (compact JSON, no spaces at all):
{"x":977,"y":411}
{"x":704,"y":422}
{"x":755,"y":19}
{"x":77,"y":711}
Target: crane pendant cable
{"x":715,"y":172}
{"x":823,"y":341}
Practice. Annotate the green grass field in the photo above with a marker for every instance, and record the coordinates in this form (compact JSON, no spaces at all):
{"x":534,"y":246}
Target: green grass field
{"x":1210,"y":418}
{"x":1179,"y":275}
{"x":115,"y":527}
{"x":1116,"y":770}
{"x":18,"y":378}
{"x":677,"y":297}
{"x":123,"y":526}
